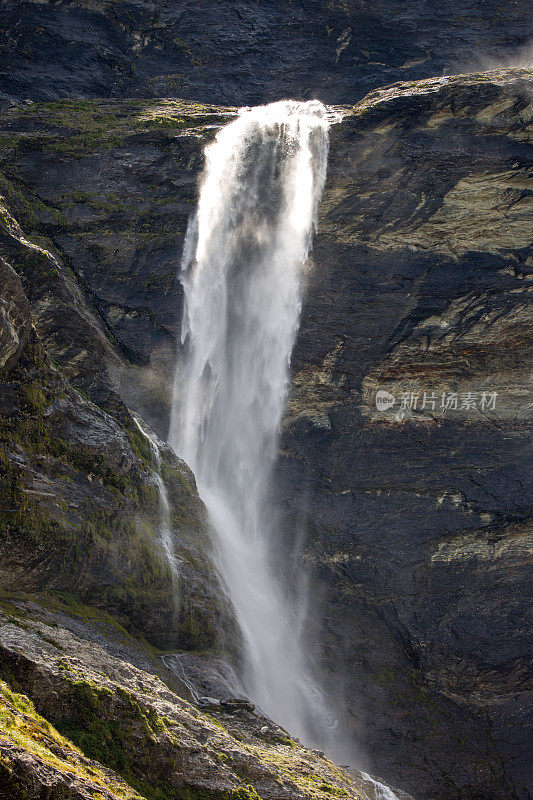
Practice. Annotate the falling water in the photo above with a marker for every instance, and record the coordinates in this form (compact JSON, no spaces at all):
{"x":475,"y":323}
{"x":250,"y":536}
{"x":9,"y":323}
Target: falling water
{"x":381,"y":791}
{"x":243,"y":270}
{"x":165,"y":532}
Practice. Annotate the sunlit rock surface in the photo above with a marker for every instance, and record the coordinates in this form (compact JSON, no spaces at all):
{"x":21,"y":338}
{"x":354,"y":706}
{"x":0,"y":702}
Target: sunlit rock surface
{"x":116,"y":700}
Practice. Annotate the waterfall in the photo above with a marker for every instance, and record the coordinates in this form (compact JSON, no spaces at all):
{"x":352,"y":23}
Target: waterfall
{"x":243,"y":271}
{"x":165,"y":531}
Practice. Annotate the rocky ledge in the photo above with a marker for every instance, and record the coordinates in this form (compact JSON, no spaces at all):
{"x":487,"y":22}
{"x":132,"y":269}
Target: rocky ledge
{"x":80,"y":720}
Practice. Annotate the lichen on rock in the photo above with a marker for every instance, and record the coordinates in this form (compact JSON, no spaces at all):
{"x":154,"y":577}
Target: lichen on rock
{"x":115,"y":719}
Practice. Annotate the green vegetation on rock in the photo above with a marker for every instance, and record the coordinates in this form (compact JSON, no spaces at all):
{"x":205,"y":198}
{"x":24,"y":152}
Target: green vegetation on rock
{"x":22,"y":727}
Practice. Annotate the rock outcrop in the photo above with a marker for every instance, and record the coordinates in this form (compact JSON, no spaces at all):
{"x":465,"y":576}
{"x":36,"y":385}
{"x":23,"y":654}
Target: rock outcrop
{"x":121,"y":731}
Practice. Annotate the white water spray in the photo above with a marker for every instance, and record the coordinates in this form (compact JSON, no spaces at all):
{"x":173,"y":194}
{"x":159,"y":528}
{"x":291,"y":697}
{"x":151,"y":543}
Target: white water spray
{"x":381,"y":791}
{"x":243,"y":270}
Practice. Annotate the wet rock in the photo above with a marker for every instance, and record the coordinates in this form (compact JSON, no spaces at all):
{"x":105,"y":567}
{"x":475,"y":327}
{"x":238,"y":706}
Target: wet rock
{"x":15,"y":318}
{"x":208,"y":677}
{"x":60,"y":311}
{"x":236,"y":702}
{"x":208,"y":702}
{"x":79,"y":510}
{"x":113,"y":328}
{"x":418,"y":518}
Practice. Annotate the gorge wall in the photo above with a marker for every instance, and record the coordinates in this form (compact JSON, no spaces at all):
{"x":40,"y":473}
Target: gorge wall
{"x":416,"y":522}
{"x":115,"y":683}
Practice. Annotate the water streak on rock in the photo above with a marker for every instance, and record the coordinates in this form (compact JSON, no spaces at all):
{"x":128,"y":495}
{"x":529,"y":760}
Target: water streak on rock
{"x":165,"y":530}
{"x":380,"y":790}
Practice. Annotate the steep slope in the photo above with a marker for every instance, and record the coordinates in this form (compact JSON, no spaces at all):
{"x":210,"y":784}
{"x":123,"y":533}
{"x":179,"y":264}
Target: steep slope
{"x":249,"y":52}
{"x":124,"y":720}
{"x":80,"y":511}
{"x":108,"y":187}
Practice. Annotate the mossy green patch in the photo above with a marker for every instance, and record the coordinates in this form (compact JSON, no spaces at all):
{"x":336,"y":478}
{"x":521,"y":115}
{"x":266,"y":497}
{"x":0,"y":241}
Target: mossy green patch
{"x":112,"y":727}
{"x":21,"y":725}
{"x":123,"y":524}
{"x":79,"y":127}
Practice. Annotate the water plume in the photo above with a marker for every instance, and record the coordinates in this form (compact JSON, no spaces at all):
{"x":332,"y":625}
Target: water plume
{"x":243,"y":273}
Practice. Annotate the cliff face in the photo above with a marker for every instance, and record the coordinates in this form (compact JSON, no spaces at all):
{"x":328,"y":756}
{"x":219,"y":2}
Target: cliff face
{"x":109,"y":186}
{"x":80,"y":512}
{"x":419,"y":518}
{"x":246,"y":53}
{"x":109,"y":720}
{"x":416,"y":518}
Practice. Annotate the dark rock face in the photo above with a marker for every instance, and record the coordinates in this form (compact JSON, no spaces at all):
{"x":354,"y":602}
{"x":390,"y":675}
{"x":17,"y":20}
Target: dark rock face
{"x":419,"y":519}
{"x":79,"y":508}
{"x":416,"y":519}
{"x":108,"y":188}
{"x":245,"y":53}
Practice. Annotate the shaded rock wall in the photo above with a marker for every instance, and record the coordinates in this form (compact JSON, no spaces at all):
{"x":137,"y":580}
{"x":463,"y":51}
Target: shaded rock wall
{"x":416,"y":524}
{"x":80,"y":510}
{"x":246,"y":53}
{"x":108,"y":186}
{"x":418,"y":519}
